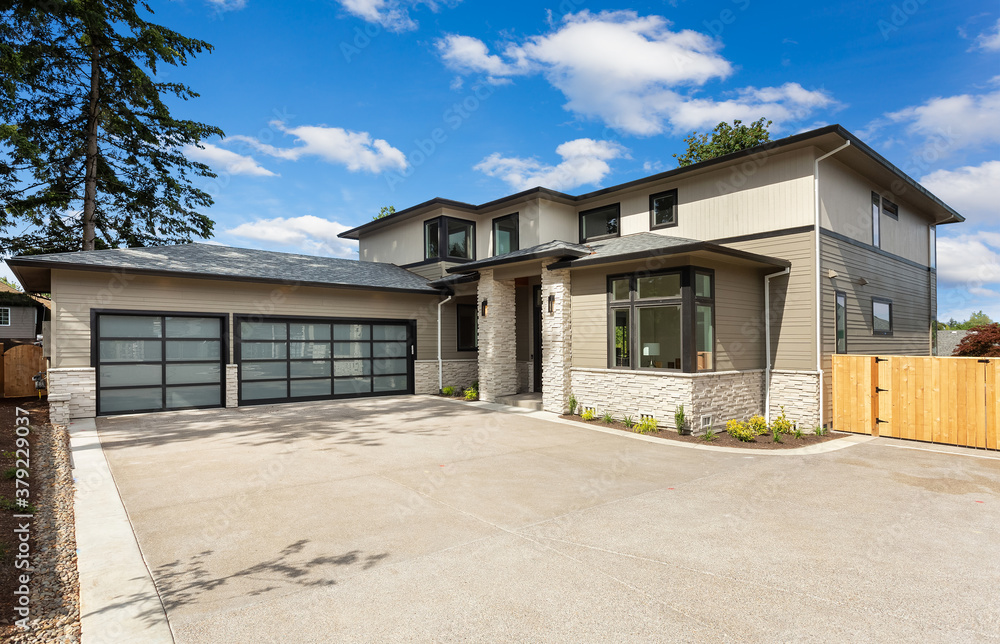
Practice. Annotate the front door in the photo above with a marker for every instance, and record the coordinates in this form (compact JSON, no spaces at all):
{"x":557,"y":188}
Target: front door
{"x":536,"y":300}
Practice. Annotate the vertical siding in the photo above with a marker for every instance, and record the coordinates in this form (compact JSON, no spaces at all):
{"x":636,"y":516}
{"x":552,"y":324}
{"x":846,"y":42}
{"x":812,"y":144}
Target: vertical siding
{"x":74,"y":293}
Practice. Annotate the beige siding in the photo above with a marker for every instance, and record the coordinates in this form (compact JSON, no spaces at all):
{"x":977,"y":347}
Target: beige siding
{"x":75,"y":293}
{"x":449,"y":329}
{"x":558,"y":222}
{"x":846,"y":208}
{"x":793,"y":324}
{"x":590,"y":317}
{"x":400,"y":244}
{"x":911,"y":289}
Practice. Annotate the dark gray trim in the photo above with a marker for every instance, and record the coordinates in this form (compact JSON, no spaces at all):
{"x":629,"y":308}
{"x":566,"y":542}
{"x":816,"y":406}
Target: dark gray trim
{"x":888,"y":211}
{"x":443,"y":256}
{"x":766,"y":235}
{"x":836,"y":304}
{"x":652,"y":209}
{"x":883,"y":253}
{"x":883,"y":300}
{"x":618,"y":222}
{"x":672,"y":250}
{"x":542,"y":251}
{"x":517,"y":232}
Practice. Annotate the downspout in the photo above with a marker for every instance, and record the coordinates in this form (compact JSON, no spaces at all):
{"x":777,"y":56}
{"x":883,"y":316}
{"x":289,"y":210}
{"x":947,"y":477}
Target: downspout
{"x":767,"y":339}
{"x":440,"y":361}
{"x":819,"y":295}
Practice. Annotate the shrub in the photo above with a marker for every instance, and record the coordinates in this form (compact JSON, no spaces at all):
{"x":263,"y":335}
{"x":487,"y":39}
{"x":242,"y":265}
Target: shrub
{"x":629,"y":421}
{"x":10,"y":472}
{"x":820,"y":430}
{"x":647,"y":425}
{"x":775,"y":435}
{"x":10,"y":504}
{"x":448,"y":391}
{"x":608,"y":417}
{"x":709,"y":435}
{"x":572,"y":404}
{"x":758,"y":425}
{"x":740,"y":430}
{"x":679,"y":421}
{"x":472,"y":393}
{"x":588,"y":414}
{"x":798,"y":433}
{"x":781,"y":424}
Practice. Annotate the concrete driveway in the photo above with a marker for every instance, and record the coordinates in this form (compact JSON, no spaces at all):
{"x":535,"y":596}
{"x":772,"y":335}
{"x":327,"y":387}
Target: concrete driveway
{"x":415,"y":519}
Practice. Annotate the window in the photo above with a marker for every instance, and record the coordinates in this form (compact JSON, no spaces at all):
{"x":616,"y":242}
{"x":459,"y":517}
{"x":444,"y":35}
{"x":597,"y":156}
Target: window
{"x":841,"y":316}
{"x":662,"y":321}
{"x":876,"y":211}
{"x":449,"y":239}
{"x":933,"y":247}
{"x":891,"y":209}
{"x":663,"y":210}
{"x":505,"y":237}
{"x":5,"y":316}
{"x":468,"y":327}
{"x":599,"y":223}
{"x":881,"y":316}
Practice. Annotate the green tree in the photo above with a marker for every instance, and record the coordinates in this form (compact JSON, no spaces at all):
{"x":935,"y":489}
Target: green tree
{"x":385,"y":211}
{"x":724,"y":139}
{"x":977,"y":319}
{"x":90,"y":155}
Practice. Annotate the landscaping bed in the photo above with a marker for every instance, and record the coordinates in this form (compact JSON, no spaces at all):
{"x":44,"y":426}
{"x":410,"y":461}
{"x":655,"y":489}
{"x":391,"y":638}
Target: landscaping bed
{"x":53,"y":583}
{"x":721,"y":438}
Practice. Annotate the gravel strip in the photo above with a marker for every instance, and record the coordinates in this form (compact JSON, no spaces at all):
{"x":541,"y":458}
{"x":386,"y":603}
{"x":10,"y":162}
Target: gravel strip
{"x":55,"y":585}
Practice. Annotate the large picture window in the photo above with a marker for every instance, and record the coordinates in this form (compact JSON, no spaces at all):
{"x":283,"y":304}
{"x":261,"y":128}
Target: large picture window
{"x":468,"y":327}
{"x":600,"y":223}
{"x":505,"y":236}
{"x":664,"y":320}
{"x":449,"y":239}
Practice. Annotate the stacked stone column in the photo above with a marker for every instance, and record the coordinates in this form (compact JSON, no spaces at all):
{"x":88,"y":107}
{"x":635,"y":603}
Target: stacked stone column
{"x":557,"y":338}
{"x":497,"y":340}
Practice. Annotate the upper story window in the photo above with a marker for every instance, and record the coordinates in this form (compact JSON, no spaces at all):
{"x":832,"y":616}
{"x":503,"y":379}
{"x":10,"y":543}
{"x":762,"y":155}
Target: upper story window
{"x":933,"y":247}
{"x":663,"y":209}
{"x":881,"y":316}
{"x":889,"y":208}
{"x":449,"y":239}
{"x":505,"y":235}
{"x":600,"y":223}
{"x":876,"y":213}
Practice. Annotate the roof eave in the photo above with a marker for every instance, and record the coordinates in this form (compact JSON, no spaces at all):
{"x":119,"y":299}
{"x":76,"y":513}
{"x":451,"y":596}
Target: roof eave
{"x":673,"y":250}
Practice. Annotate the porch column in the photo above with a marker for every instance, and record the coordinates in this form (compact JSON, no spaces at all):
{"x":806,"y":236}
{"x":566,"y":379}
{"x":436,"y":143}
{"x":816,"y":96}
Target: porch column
{"x":557,"y":339}
{"x":497,"y":343}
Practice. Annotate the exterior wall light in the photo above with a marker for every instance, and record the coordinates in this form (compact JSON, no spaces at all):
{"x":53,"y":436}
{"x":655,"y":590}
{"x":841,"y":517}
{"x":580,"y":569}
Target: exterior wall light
{"x":486,"y":308}
{"x":552,"y":304}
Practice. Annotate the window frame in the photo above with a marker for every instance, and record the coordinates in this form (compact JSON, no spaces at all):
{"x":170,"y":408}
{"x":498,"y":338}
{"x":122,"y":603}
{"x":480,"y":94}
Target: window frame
{"x":517,"y":232}
{"x":458,"y":325}
{"x":7,"y":310}
{"x":882,"y":300}
{"x":837,"y":296}
{"x":652,"y":210}
{"x":443,"y":255}
{"x":618,"y":217}
{"x":876,"y":220}
{"x":932,"y":247}
{"x":890,"y":209}
{"x":688,"y":302}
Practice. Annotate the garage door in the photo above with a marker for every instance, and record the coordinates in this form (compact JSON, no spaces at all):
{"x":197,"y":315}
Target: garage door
{"x":157,"y":362}
{"x":311,"y":359}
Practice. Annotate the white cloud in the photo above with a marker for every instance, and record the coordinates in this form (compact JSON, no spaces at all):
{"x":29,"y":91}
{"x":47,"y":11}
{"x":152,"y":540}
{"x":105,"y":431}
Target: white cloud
{"x":393,"y":15}
{"x":971,"y":190}
{"x":308,"y":233}
{"x":633,"y":73}
{"x":585,"y":161}
{"x":226,"y":160}
{"x":949,"y":123}
{"x":355,"y":150}
{"x":989,"y":40}
{"x":227,"y":5}
{"x":969,"y":275}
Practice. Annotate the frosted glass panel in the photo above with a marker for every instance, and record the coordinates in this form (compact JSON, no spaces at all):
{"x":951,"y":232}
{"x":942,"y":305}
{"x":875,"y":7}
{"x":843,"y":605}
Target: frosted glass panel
{"x":264,"y":390}
{"x":194,"y":396}
{"x":390,"y":366}
{"x":309,"y":331}
{"x":264,"y":350}
{"x":351,"y":350}
{"x":264,"y":370}
{"x":131,"y":375}
{"x":352,"y":368}
{"x":389,"y":332}
{"x":390,"y":349}
{"x":263,"y":330}
{"x":131,"y":350}
{"x":130,"y":326}
{"x":193,"y":349}
{"x":299,"y":350}
{"x":193,"y":327}
{"x":352,"y":386}
{"x":390,"y":383}
{"x":183,"y":374}
{"x":310,"y":388}
{"x":351,"y":332}
{"x":122,"y":400}
{"x":314,"y":369}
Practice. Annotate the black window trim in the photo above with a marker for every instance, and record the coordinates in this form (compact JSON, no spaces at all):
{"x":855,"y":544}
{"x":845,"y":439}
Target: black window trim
{"x":883,"y":300}
{"x":458,"y":322}
{"x":443,"y":255}
{"x":618,"y":216}
{"x":837,"y":295}
{"x":688,"y":303}
{"x":652,"y":210}
{"x":888,"y":211}
{"x":517,"y":232}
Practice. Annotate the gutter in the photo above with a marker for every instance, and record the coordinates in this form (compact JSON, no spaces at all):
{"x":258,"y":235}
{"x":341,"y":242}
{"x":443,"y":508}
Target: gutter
{"x":440,"y":361}
{"x":818,"y":267}
{"x":767,"y":339}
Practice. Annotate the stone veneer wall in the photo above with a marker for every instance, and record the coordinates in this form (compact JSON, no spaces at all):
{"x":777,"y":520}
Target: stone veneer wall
{"x":497,"y":339}
{"x":798,"y":391}
{"x":557,"y":340}
{"x":81,"y":385}
{"x":721,"y":395}
{"x":457,"y":373}
{"x":232,"y":385}
{"x":525,"y":377}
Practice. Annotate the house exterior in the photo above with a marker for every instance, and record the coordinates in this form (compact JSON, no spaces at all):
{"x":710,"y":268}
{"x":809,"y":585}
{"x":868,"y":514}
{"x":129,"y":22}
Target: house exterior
{"x":724,"y":286}
{"x":21,"y":316}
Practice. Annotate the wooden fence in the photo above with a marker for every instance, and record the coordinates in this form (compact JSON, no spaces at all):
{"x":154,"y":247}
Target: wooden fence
{"x":18,"y":366}
{"x":939,"y":400}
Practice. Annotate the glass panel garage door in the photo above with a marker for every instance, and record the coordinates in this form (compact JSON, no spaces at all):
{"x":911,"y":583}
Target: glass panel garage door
{"x":295,"y":359}
{"x":157,"y":362}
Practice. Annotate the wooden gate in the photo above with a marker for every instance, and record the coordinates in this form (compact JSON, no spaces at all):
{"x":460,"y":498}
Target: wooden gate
{"x":20,"y":363}
{"x":938,"y":400}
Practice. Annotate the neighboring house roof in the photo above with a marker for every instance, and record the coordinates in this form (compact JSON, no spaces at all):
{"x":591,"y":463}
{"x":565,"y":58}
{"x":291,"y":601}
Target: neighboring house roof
{"x":13,"y":297}
{"x":208,"y":261}
{"x":948,"y":341}
{"x":541,"y":251}
{"x":826,"y":137}
{"x":644,"y":245}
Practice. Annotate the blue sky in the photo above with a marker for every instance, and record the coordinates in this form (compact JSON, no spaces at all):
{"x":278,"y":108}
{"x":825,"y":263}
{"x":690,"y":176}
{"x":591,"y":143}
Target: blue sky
{"x":334,"y":109}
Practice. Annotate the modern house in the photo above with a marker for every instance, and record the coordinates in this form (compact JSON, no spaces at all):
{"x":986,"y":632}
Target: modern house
{"x":724,"y":286}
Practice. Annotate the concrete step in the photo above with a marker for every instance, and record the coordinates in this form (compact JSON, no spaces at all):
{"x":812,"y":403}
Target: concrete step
{"x":524,"y":401}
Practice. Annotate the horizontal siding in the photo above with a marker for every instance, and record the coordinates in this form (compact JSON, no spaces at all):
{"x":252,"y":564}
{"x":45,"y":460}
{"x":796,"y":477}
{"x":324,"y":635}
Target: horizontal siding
{"x":590,"y":317}
{"x":22,"y":323}
{"x":74,"y":293}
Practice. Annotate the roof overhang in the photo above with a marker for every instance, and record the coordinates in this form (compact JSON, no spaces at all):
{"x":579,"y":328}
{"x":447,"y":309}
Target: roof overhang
{"x":703,"y":249}
{"x":561,"y":253}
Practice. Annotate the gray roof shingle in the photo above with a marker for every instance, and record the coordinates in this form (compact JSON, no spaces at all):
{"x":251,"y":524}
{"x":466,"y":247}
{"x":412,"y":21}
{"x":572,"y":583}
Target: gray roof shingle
{"x":642,"y":245}
{"x":555,"y":248}
{"x":244,"y":264}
